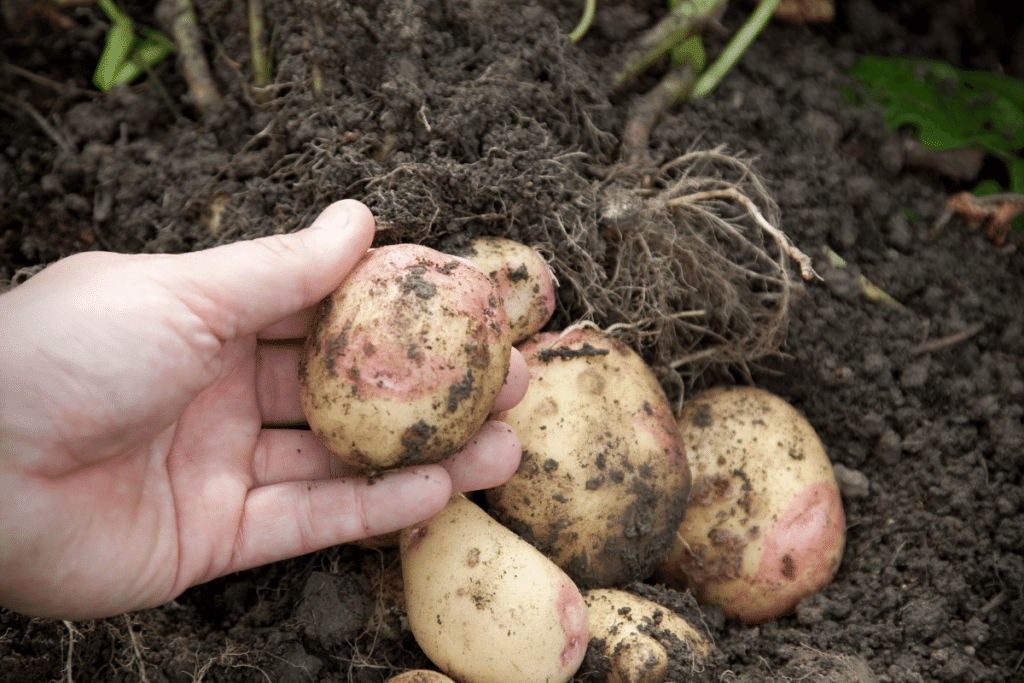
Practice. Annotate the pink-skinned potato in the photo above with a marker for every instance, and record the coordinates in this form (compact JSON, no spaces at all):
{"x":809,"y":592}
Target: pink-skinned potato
{"x":486,"y":606}
{"x":522,"y":278}
{"x":405,"y":359}
{"x":765,"y":527}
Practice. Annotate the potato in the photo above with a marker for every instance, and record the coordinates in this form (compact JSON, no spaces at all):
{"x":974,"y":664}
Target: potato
{"x":405,"y":359}
{"x":420,"y":676}
{"x":523,"y":279}
{"x":484,"y":605}
{"x":765,"y":527}
{"x":603,"y":481}
{"x":633,"y":629}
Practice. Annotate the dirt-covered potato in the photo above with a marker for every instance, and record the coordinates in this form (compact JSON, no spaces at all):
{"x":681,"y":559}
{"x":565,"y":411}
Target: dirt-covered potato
{"x":405,"y":359}
{"x":487,"y":607}
{"x":523,"y":279}
{"x":765,"y":527}
{"x":632,"y":633}
{"x":603,"y":481}
{"x":420,"y":676}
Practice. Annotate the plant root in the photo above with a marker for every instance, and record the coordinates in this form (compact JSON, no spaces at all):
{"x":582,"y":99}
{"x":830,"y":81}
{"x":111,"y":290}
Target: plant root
{"x":687,"y":271}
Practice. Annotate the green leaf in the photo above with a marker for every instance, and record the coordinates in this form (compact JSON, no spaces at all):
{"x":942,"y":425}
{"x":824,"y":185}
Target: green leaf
{"x":948,"y":107}
{"x":1016,"y":171}
{"x":126,"y":56}
{"x":691,"y":51}
{"x":119,"y":45}
{"x":152,"y":48}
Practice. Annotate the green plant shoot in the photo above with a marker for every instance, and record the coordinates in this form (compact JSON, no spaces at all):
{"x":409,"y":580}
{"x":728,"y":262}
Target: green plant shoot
{"x":692,"y":49}
{"x":126,"y":56}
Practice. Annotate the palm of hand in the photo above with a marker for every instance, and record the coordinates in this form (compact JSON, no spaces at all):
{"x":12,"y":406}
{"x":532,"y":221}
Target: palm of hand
{"x":157,"y":461}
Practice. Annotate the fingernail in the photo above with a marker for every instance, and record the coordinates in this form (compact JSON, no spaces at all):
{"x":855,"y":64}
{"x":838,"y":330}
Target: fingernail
{"x":334,"y":218}
{"x":341,"y":224}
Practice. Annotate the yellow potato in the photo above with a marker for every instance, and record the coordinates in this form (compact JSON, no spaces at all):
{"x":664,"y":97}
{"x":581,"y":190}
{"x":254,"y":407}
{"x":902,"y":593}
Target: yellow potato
{"x":765,"y":527}
{"x":405,"y":359}
{"x":523,"y":279}
{"x":633,"y":629}
{"x":603,"y":481}
{"x":484,"y":605}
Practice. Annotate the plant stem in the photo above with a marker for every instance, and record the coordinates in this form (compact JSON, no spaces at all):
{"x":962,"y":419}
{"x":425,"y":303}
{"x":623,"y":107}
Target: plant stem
{"x":181,"y":16}
{"x":647,"y":110}
{"x":710,"y":79}
{"x":686,"y":19}
{"x":585,"y":21}
{"x":262,"y":69}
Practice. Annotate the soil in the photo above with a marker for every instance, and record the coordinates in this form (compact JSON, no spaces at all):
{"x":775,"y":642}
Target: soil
{"x":461,"y":117}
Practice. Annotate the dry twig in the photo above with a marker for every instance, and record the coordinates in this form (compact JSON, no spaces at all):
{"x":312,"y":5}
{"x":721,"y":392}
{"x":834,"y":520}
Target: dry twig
{"x":996,"y":211}
{"x":939,"y":344}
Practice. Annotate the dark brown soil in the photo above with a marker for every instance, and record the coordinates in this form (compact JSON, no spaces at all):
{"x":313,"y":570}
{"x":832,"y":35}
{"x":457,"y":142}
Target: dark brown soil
{"x":452,"y":118}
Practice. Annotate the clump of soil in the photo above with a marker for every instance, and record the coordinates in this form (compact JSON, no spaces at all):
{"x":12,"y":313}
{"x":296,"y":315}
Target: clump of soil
{"x":465,"y":117}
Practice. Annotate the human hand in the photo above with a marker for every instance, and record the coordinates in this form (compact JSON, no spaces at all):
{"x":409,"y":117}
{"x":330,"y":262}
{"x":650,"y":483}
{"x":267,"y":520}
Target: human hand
{"x":136,"y":399}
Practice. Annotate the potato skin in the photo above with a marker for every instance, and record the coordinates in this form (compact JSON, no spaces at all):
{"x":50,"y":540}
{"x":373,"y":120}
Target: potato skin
{"x":631,"y":628}
{"x":765,"y":527}
{"x":522,"y":278}
{"x":405,"y":359}
{"x":603,"y":481}
{"x":484,"y":605}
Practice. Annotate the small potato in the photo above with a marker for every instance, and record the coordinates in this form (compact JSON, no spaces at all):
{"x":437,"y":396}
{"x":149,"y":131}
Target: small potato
{"x":603,"y":481}
{"x":405,"y":360}
{"x":633,"y":630}
{"x":420,"y":676}
{"x":765,"y":526}
{"x":484,"y":605}
{"x":522,"y":278}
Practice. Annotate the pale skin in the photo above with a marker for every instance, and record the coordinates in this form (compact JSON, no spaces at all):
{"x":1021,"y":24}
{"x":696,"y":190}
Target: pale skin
{"x":138,"y":400}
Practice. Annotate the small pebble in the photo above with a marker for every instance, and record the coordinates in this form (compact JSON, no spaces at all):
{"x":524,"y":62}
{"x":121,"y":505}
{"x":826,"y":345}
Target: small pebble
{"x":853,"y":484}
{"x":889,"y":448}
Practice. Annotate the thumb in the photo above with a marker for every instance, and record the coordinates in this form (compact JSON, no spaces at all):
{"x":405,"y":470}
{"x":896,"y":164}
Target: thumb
{"x":244,"y":287}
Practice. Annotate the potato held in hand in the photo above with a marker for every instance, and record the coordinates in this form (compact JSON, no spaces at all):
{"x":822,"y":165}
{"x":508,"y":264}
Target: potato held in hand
{"x":765,"y":527}
{"x":485,"y":605}
{"x":405,"y":360}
